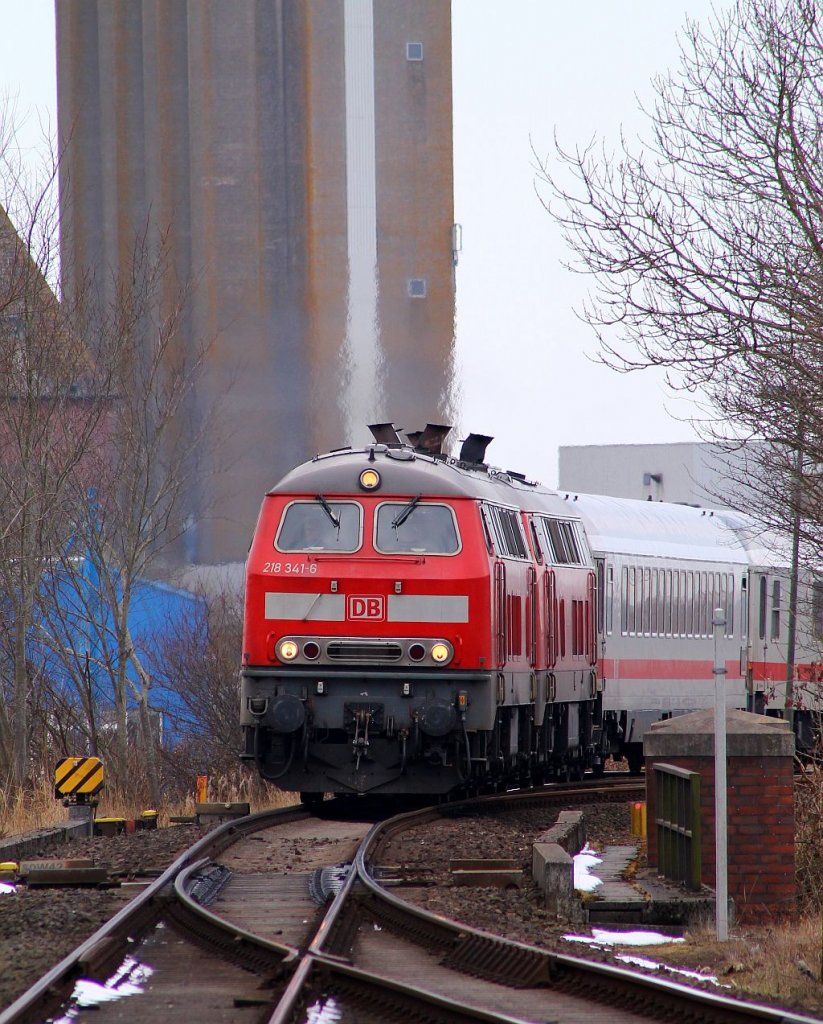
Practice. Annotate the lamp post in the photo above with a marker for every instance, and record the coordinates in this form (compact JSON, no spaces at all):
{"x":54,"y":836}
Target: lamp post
{"x":720,"y":811}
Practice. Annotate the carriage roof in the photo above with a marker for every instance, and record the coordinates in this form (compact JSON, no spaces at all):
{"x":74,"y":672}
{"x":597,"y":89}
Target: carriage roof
{"x":662,"y":529}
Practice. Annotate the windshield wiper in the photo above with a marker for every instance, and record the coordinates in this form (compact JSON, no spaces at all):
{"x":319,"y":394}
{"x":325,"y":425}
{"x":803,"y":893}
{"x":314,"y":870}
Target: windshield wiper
{"x":329,"y":512}
{"x":404,"y":514}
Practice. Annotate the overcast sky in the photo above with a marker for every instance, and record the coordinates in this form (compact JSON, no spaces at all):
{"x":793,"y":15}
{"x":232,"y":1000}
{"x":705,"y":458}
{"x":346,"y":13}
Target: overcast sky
{"x":523,"y":70}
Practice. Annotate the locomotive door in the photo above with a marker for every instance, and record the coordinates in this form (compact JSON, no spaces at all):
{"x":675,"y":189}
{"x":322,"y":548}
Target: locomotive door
{"x":550,"y":617}
{"x":531,"y":617}
{"x":500,"y":614}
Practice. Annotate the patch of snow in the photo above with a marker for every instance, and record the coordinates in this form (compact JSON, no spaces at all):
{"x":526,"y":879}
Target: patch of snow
{"x":128,"y":980}
{"x":584,"y":861}
{"x":602,"y":937}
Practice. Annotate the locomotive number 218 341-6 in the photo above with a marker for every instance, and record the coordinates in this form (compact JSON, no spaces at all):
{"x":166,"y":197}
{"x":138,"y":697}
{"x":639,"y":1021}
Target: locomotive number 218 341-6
{"x":291,"y":568}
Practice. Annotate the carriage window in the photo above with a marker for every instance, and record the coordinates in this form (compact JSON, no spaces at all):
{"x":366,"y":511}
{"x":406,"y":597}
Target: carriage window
{"x":817,"y":608}
{"x":600,"y":567}
{"x":412,"y":528}
{"x":320,"y":525}
{"x":762,"y":609}
{"x":775,"y":609}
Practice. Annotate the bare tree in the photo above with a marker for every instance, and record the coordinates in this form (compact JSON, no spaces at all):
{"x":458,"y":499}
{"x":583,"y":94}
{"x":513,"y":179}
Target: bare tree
{"x":126,"y":524}
{"x":98,"y":446}
{"x":706,"y":244}
{"x":49,"y":423}
{"x":197,"y":657}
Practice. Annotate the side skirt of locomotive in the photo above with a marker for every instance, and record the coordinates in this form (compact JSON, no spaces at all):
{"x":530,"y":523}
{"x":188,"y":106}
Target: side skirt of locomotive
{"x":332,"y":736}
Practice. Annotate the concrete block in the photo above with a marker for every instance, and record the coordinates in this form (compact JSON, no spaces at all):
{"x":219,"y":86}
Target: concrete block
{"x":569,"y":831}
{"x":553,"y":871}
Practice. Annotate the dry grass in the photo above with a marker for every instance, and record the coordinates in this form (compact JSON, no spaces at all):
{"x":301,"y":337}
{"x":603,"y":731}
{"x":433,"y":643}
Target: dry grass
{"x":29,"y":809}
{"x":808,"y":816}
{"x":778,"y":964}
{"x":36,"y":807}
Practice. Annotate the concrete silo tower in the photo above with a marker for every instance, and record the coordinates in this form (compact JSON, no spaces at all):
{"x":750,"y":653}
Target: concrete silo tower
{"x":299,"y":155}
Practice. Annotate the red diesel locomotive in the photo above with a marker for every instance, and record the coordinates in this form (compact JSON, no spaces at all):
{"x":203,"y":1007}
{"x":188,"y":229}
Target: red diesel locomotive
{"x":415,"y":622}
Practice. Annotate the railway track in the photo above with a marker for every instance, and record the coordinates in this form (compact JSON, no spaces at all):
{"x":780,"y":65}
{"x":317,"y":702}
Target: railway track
{"x":282,"y":917}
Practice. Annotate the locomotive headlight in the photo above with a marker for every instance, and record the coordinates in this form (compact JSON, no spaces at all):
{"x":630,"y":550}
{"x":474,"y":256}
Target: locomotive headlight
{"x":369,"y":479}
{"x":287,"y":650}
{"x":441,"y":653}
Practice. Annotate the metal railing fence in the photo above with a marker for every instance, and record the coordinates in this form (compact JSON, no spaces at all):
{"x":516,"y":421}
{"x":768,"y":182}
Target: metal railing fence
{"x":677,"y":823}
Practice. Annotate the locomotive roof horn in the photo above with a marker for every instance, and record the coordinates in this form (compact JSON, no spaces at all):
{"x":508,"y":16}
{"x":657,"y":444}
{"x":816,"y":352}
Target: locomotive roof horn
{"x":474,"y":448}
{"x":384,"y":433}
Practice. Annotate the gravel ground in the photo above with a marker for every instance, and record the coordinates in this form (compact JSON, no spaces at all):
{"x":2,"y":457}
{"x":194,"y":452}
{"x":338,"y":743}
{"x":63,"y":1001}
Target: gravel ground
{"x":515,"y":913}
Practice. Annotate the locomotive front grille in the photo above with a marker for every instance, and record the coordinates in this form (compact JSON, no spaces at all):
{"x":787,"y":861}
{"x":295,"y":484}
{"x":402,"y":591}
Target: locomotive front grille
{"x":373,"y":652}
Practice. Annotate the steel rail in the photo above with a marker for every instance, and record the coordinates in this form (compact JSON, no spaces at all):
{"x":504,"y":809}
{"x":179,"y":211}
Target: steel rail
{"x":109,"y":941}
{"x":325,"y":957}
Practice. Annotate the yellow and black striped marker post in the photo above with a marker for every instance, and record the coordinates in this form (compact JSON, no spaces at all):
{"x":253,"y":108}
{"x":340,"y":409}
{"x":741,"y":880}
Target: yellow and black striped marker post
{"x":78,"y":777}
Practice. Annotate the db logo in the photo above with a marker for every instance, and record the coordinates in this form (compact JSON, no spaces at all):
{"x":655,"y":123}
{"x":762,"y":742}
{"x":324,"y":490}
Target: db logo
{"x":366,"y":608}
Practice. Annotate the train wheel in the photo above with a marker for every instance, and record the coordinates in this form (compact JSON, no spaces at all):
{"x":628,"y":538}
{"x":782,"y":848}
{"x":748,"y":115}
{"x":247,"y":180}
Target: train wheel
{"x":634,"y":755}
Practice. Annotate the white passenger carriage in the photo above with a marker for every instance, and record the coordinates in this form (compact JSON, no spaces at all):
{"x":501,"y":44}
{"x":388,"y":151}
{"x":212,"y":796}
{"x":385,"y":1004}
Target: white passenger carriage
{"x":662,"y":570}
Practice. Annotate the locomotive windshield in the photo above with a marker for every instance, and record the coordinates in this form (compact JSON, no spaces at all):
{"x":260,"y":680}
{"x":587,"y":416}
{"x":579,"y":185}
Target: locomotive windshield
{"x":319,"y":525}
{"x":414,"y":528}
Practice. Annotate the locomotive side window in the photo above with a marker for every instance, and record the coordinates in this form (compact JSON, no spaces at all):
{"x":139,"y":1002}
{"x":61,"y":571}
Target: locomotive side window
{"x":407,"y":528}
{"x":505,"y":527}
{"x":538,"y":547}
{"x":320,"y":526}
{"x":564,"y":542}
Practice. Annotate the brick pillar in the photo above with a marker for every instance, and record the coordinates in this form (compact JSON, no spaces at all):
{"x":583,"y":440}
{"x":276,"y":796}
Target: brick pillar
{"x":760,"y":803}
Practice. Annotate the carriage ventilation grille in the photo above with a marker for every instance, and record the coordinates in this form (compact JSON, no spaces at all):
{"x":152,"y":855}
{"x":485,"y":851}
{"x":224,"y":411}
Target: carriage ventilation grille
{"x":378,"y":652}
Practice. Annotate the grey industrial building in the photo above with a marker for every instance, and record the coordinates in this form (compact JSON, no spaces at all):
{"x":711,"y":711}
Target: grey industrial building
{"x":298,"y":154}
{"x":693,"y":473}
